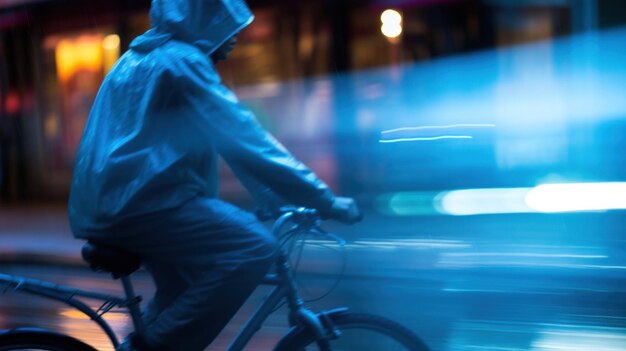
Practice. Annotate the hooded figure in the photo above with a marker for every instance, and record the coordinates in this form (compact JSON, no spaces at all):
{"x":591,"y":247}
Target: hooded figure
{"x":145,"y":179}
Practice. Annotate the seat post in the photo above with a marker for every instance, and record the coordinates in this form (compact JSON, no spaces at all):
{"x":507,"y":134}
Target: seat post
{"x":132,"y":302}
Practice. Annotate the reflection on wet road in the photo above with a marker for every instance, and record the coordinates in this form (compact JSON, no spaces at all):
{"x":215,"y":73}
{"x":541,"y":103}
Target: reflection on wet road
{"x":520,"y":282}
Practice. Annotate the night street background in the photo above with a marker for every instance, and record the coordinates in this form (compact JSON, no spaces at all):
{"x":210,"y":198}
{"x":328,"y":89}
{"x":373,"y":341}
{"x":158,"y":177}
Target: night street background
{"x":485,"y":141}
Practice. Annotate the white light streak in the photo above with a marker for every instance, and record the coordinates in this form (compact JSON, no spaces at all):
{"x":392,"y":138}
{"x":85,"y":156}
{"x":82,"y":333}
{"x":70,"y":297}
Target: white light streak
{"x":469,"y":125}
{"x":483,"y":201}
{"x":523,"y":254}
{"x":545,"y":198}
{"x":416,"y":243}
{"x":579,"y":338}
{"x":577,"y":197}
{"x":399,"y":140}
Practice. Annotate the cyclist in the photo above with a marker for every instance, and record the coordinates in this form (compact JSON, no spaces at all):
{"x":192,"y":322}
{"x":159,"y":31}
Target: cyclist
{"x":145,"y":179}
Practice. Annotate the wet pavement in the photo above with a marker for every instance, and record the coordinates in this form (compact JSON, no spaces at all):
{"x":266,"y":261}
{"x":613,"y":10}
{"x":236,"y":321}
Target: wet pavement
{"x":505,"y":282}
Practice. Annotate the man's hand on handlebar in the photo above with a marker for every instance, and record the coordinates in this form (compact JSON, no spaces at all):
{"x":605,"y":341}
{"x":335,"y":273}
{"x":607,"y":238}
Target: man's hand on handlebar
{"x":344,"y":209}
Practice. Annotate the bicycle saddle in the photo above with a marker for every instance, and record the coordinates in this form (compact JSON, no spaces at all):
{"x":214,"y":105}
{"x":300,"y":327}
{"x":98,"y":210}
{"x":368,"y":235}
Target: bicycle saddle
{"x":104,"y":258}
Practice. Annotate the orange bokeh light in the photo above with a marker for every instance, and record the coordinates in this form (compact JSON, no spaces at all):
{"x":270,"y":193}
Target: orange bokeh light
{"x":82,"y":53}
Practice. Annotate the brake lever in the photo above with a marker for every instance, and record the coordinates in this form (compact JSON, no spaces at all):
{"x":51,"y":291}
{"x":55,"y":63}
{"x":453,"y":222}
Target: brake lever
{"x":319,"y":231}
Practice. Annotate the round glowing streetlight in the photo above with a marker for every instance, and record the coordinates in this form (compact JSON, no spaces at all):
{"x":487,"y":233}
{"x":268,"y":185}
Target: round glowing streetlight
{"x":391,"y":16}
{"x":391,"y":30}
{"x":391,"y":23}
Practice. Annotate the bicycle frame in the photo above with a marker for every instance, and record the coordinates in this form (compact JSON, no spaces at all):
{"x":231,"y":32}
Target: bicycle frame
{"x":282,"y":280}
{"x":285,"y":288}
{"x":67,"y":295}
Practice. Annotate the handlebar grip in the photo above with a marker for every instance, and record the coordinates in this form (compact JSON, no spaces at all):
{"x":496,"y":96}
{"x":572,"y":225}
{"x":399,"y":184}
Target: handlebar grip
{"x":299,"y":213}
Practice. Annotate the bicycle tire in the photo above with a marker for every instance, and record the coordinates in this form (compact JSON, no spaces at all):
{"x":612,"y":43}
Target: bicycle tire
{"x":42,"y":342}
{"x":388,"y":334}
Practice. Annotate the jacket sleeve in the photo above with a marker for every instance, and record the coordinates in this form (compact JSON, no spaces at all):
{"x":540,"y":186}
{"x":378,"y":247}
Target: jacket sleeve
{"x":241,"y":140}
{"x":266,"y":199}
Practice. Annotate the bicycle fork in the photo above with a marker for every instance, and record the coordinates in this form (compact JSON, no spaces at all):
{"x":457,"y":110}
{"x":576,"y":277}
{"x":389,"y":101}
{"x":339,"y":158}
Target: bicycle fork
{"x":319,"y":325}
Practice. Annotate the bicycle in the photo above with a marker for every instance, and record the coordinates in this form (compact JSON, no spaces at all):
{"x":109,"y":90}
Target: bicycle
{"x":323,"y":331}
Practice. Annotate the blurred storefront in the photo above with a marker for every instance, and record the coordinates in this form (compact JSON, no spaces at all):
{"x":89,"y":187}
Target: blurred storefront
{"x":56,"y":53}
{"x":56,"y":56}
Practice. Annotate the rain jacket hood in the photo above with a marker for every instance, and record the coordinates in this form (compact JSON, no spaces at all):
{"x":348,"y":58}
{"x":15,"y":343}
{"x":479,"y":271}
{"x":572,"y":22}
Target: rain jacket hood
{"x":206,"y":24}
{"x":161,"y":118}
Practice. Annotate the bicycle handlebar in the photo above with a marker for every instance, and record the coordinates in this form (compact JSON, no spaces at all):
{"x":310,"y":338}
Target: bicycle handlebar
{"x":297,"y":212}
{"x":298,"y":215}
{"x":304,"y":218}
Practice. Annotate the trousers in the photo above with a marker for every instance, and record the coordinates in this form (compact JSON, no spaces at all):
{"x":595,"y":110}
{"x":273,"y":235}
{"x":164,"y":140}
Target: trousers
{"x":206,"y":258}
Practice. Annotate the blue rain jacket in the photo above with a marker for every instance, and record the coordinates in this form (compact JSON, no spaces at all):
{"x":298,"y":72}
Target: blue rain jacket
{"x":160,"y":120}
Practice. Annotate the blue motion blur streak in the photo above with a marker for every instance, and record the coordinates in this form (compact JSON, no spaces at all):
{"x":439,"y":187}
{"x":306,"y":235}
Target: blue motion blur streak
{"x":519,"y":228}
{"x":551,"y":102}
{"x":538,"y":84}
{"x":546,"y":198}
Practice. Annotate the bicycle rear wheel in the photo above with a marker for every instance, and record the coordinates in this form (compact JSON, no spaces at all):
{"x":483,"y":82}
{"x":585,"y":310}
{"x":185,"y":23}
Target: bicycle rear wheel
{"x":41,"y":342}
{"x":34,"y":347}
{"x":361,"y":332}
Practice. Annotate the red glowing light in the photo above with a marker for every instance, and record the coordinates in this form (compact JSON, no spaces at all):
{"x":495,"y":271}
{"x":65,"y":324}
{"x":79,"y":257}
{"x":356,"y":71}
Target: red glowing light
{"x":12,"y":103}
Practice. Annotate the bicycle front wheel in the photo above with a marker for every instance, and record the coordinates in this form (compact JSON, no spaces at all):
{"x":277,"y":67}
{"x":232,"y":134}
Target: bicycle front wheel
{"x":361,"y":332}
